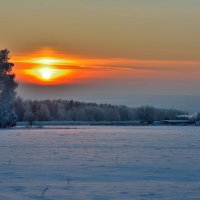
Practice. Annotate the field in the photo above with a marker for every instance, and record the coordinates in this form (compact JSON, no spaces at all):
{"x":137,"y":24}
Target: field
{"x":100,"y":163}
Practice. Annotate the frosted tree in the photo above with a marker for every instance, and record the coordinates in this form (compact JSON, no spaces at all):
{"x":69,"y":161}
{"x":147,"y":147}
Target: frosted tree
{"x":7,"y":91}
{"x":43,"y":113}
{"x":29,"y":117}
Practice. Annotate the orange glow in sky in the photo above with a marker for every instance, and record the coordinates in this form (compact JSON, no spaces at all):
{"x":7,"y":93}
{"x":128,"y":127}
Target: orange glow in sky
{"x":44,"y":67}
{"x":48,"y":67}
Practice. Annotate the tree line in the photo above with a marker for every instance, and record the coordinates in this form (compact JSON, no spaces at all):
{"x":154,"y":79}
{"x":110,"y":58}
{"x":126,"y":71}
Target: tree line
{"x":70,"y":110}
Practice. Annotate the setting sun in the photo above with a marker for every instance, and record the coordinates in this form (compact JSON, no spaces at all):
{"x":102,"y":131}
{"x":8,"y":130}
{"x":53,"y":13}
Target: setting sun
{"x":46,"y":67}
{"x":46,"y":73}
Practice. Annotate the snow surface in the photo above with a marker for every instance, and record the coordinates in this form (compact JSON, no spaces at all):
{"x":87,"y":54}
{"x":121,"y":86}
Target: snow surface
{"x":100,"y":163}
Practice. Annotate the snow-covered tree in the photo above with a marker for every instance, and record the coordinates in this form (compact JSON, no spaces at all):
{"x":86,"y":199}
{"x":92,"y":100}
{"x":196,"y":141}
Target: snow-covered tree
{"x":29,"y":117}
{"x":7,"y":91}
{"x":43,"y":113}
{"x":20,"y":108}
{"x":198,"y":117}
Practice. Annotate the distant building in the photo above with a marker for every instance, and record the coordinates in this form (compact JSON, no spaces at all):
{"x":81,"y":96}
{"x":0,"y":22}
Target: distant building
{"x":178,"y":122}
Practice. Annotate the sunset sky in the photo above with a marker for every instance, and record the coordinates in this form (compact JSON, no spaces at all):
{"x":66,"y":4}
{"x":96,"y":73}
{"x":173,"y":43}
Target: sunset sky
{"x":131,"y":52}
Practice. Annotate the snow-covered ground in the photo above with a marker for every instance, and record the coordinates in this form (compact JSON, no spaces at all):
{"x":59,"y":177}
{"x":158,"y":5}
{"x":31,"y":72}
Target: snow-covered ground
{"x":100,"y":163}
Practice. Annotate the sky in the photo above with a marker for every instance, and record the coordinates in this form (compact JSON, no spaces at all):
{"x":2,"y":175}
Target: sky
{"x":131,"y":52}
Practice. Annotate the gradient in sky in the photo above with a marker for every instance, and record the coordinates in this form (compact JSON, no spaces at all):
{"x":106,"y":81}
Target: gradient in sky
{"x":113,"y":51}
